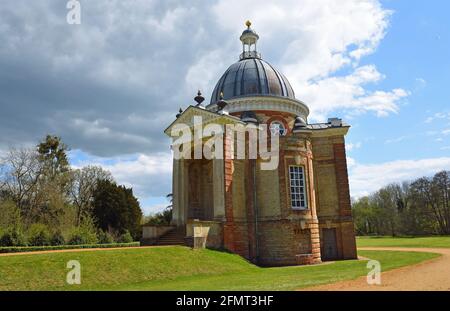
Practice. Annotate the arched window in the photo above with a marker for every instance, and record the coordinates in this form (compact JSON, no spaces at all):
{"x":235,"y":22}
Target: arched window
{"x":277,"y":128}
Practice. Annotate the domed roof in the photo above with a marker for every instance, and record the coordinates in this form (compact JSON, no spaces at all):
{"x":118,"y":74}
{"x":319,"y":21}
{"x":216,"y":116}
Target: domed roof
{"x":252,"y":77}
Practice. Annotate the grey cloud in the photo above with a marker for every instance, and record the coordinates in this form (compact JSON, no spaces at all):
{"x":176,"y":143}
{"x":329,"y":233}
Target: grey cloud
{"x":108,"y":86}
{"x":112,"y":84}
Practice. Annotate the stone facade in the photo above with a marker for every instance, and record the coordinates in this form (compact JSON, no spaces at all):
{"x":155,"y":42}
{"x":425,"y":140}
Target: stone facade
{"x":249,"y":210}
{"x":236,"y":205}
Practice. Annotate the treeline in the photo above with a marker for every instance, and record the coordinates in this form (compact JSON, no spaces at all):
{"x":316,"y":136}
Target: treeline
{"x":44,"y":201}
{"x":421,"y":207}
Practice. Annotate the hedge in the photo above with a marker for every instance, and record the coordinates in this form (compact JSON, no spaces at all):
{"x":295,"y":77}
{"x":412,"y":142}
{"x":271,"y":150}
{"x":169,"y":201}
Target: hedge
{"x":21,"y":249}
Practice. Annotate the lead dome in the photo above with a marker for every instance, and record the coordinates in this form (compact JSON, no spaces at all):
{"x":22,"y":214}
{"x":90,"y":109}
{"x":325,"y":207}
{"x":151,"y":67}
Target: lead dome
{"x":251,"y":76}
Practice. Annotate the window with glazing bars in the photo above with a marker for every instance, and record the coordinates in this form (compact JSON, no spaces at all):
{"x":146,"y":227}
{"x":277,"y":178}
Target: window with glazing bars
{"x":298,"y":187}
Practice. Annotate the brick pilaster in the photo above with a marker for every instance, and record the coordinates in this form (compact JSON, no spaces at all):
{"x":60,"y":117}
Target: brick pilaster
{"x":347,"y":232}
{"x":229,"y":226}
{"x":340,"y":161}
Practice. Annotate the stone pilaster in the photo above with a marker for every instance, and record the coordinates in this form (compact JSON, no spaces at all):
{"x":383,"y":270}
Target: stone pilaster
{"x":175,"y":193}
{"x":313,"y":222}
{"x":219,"y":189}
{"x":178,"y":192}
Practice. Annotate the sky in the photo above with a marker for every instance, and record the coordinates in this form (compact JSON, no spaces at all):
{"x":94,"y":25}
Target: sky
{"x":111,"y":85}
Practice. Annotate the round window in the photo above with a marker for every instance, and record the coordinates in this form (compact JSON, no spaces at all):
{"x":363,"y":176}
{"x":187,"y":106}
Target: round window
{"x":277,"y":128}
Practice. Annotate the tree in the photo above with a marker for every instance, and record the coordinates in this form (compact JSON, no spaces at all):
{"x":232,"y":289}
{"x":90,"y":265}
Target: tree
{"x":170,"y":198}
{"x":10,"y":215}
{"x":20,"y":173}
{"x":53,"y":153}
{"x":417,"y":208}
{"x":424,"y":195}
{"x":441,"y":192}
{"x":54,"y":181}
{"x":164,"y":217}
{"x":84,"y":181}
{"x":160,"y":219}
{"x":36,"y":180}
{"x":365,"y":217}
{"x":116,"y":208}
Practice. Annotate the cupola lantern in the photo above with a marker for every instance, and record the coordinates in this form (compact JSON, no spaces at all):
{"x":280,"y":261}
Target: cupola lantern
{"x":249,"y":38}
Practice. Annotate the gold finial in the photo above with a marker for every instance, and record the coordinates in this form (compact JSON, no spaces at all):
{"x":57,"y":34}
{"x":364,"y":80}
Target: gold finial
{"x":248,"y":23}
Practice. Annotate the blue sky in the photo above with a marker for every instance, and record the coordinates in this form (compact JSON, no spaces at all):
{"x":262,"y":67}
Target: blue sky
{"x":413,"y":55}
{"x":112,"y":84}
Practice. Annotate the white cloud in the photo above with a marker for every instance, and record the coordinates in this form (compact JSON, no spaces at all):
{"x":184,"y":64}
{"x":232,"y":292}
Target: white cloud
{"x":420,"y":84}
{"x":111,"y":85}
{"x":350,"y":162}
{"x":315,"y":39}
{"x":438,"y":116}
{"x":203,"y":73}
{"x":367,"y":178}
{"x":353,"y":146}
{"x":149,"y":58}
{"x":395,"y":140}
{"x":150,"y":176}
{"x":348,"y":93}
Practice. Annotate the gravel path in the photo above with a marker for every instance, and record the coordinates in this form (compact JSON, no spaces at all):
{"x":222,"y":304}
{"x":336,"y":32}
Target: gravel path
{"x":429,"y":275}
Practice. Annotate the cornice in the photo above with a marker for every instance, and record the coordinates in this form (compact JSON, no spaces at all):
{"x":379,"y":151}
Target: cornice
{"x":207,"y":117}
{"x":266,"y":103}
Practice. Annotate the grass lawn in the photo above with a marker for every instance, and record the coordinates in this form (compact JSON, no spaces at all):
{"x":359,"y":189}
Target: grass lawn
{"x":180,"y":268}
{"x":438,"y":241}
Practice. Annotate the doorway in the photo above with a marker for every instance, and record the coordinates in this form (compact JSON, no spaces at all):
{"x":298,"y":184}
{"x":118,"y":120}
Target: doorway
{"x":329,"y":245}
{"x":200,"y":190}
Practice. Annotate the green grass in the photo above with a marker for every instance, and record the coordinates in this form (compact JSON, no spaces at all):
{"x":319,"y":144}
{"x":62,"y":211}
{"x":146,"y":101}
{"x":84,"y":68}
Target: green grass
{"x":22,"y":249}
{"x":180,"y":268}
{"x":438,"y":241}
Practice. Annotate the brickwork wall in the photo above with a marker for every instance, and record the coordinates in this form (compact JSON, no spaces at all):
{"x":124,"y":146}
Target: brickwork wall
{"x":215,"y":236}
{"x":342,"y":179}
{"x":333,"y":195}
{"x":286,"y":236}
{"x":281,"y":241}
{"x":250,"y":166}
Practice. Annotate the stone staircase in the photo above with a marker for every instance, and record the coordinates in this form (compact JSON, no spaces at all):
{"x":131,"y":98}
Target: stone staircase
{"x":173,"y":237}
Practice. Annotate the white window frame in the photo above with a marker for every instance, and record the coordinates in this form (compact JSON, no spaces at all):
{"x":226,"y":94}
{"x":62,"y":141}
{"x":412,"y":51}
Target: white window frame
{"x":280,"y":126}
{"x":298,"y":187}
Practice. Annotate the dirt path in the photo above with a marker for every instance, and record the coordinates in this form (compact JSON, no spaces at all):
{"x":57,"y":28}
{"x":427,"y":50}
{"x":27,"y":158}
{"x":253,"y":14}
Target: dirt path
{"x":429,"y":275}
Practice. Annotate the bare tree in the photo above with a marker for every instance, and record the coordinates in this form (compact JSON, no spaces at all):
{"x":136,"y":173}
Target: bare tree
{"x":20,"y":172}
{"x":441,"y":192}
{"x":425,"y":193}
{"x":84,"y":182}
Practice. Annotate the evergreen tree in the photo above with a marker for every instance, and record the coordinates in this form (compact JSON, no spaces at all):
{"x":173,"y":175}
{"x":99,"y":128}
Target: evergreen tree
{"x":116,"y":208}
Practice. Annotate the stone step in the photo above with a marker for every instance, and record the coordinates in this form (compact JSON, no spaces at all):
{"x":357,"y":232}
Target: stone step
{"x":172,"y":240}
{"x":175,"y":237}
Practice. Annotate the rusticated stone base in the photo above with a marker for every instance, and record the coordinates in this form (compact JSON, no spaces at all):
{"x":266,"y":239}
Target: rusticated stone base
{"x":305,"y":259}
